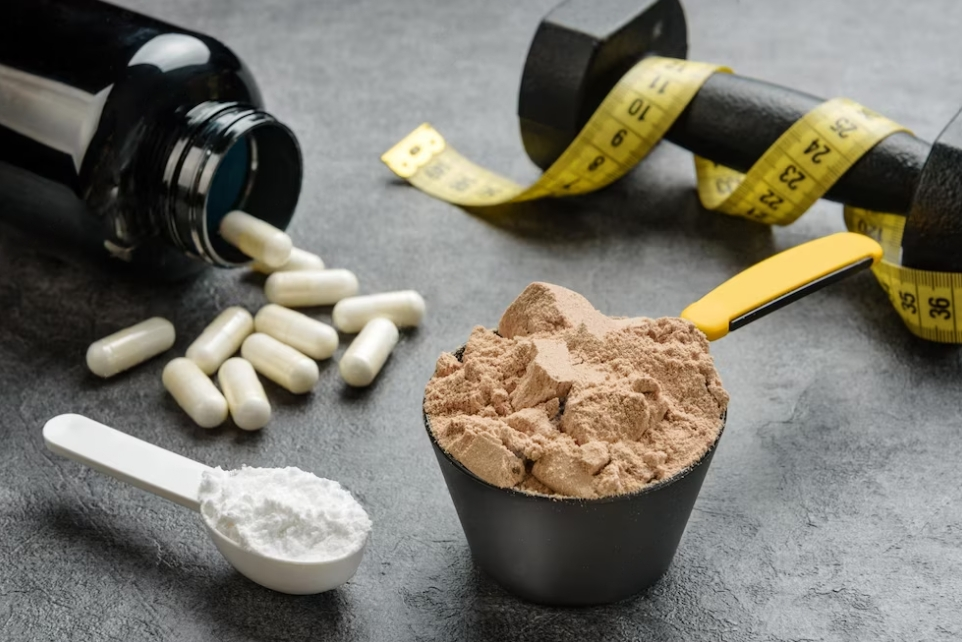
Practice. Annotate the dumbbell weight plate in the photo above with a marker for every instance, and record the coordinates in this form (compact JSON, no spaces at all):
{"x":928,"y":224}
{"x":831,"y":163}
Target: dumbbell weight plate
{"x":933,"y":232}
{"x":579,"y":52}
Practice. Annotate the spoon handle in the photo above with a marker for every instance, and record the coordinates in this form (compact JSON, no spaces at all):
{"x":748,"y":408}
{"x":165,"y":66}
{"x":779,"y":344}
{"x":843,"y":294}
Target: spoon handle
{"x":780,"y":280}
{"x":126,"y":458}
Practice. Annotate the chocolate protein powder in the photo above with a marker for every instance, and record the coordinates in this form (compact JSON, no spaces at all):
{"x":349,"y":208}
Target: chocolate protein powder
{"x":563,"y":400}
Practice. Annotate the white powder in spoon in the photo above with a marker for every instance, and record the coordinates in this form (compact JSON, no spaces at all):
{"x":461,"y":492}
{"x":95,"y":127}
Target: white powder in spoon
{"x":284,"y":513}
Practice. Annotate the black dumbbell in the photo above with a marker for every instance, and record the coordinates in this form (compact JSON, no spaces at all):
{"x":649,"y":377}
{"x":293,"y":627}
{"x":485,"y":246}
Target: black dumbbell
{"x":583,"y":47}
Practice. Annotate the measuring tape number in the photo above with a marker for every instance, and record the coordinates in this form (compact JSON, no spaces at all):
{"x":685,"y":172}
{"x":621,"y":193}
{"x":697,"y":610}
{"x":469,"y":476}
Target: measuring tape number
{"x":797,"y":170}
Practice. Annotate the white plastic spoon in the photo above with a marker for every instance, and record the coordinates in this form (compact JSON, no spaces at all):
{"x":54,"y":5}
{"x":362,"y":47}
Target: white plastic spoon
{"x":178,"y":478}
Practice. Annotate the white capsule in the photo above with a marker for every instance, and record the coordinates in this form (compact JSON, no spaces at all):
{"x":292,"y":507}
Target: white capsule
{"x":244,"y":393}
{"x":312,"y":287}
{"x":221,"y":339}
{"x":256,"y":238}
{"x":404,"y":308}
{"x":367,"y":353}
{"x":195,"y":392}
{"x":130,"y":346}
{"x":280,"y":363}
{"x":315,"y":339}
{"x":300,"y":260}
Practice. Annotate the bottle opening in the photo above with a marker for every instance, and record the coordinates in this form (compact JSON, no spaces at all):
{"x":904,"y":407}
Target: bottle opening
{"x":229,"y":186}
{"x":233,"y":157}
{"x":261,"y":175}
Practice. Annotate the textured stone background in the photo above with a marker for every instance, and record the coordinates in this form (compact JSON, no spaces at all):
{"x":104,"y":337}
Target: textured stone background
{"x":832,"y":510}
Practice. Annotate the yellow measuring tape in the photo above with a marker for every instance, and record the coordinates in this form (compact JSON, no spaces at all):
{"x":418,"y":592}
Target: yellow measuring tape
{"x":797,"y":170}
{"x":927,"y":301}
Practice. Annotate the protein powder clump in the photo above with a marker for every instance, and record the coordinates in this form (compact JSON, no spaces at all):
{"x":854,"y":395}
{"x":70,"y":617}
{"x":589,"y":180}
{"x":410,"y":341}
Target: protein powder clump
{"x":564,"y":400}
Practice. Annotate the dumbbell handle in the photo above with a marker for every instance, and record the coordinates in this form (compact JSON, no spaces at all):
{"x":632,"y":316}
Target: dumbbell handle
{"x":733,"y":120}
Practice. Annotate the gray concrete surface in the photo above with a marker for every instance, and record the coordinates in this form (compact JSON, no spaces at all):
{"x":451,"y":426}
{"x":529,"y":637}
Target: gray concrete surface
{"x":832,"y":510}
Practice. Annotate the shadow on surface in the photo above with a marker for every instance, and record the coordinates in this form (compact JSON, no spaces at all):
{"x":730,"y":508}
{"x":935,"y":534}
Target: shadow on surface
{"x":872,"y":311}
{"x":56,"y":302}
{"x":197,"y":580}
{"x":495,"y":614}
{"x":650,"y":201}
{"x":628,"y":210}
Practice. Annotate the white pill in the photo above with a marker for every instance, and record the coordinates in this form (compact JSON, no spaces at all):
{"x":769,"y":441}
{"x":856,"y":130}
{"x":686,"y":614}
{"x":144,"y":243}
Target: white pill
{"x":130,"y":346}
{"x":221,"y":339}
{"x":312,"y":287}
{"x":300,"y":260}
{"x":256,"y":238}
{"x":315,"y":339}
{"x":404,"y":308}
{"x":280,"y":363}
{"x":245,"y":395}
{"x":367,"y":353}
{"x":195,"y":392}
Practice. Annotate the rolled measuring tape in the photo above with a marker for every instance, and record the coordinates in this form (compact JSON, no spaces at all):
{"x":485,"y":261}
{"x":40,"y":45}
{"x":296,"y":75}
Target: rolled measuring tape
{"x":797,"y":170}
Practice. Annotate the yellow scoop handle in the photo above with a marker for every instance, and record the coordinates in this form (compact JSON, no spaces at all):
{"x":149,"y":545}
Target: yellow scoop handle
{"x":780,"y":280}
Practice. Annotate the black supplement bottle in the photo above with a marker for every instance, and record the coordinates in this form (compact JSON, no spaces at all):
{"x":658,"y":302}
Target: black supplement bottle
{"x":132,"y":138}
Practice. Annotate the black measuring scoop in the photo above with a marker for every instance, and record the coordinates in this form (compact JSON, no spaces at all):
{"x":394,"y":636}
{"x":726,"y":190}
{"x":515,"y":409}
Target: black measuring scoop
{"x":573,"y":552}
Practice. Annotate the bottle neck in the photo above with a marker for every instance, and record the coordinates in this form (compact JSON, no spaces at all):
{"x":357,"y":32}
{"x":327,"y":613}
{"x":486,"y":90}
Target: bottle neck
{"x":221,"y":157}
